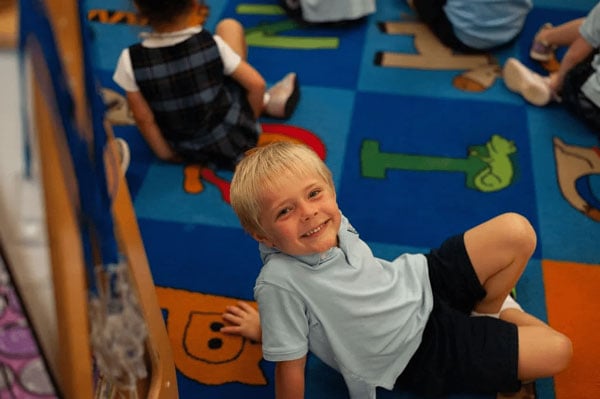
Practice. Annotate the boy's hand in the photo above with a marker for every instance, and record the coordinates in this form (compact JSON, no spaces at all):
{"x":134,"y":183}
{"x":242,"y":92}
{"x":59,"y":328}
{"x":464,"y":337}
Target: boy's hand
{"x":555,"y":83}
{"x":244,"y":320}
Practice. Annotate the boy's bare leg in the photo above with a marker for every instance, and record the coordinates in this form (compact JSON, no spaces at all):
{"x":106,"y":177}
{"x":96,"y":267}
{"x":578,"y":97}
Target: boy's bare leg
{"x":232,"y":32}
{"x":499,"y":250}
{"x":543,"y":351}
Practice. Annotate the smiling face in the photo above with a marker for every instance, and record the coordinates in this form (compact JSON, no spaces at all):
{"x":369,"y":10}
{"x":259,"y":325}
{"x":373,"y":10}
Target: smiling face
{"x":300,"y":215}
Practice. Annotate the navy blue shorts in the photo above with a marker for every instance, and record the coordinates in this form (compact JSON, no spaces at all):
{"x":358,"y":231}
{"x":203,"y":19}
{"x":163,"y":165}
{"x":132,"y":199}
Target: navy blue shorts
{"x":460,"y":353}
{"x":575,"y":100}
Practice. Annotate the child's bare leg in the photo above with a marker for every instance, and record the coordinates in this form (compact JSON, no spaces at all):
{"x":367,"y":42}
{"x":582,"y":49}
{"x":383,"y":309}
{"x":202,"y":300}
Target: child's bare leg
{"x":561,"y":35}
{"x":232,"y":32}
{"x":499,"y":250}
{"x":543,"y":351}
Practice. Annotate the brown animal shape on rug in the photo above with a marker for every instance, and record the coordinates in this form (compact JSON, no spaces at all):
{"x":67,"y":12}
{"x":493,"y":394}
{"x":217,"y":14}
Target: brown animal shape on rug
{"x":481,"y":70}
{"x":572,"y":163}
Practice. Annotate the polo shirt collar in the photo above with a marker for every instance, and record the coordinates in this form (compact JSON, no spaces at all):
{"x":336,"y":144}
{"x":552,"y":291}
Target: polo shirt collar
{"x":344,"y":237}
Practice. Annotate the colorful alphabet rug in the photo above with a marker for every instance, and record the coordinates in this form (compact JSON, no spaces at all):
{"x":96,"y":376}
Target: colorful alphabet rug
{"x":423,"y":143}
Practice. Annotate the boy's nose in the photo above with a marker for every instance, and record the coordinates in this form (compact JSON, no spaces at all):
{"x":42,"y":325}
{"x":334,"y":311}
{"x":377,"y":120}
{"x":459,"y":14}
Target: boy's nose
{"x":308,"y":210}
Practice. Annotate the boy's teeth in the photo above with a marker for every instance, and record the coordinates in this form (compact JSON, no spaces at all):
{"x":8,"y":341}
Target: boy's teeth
{"x":313,"y":231}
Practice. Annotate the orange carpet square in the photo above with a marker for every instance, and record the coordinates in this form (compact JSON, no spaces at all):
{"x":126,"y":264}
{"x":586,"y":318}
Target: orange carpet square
{"x":572,"y":299}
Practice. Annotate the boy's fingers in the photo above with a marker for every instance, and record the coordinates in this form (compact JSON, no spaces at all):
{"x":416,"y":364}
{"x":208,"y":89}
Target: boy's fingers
{"x":235,"y":310}
{"x":230,"y":330}
{"x":245,"y":306}
{"x":232,"y":318}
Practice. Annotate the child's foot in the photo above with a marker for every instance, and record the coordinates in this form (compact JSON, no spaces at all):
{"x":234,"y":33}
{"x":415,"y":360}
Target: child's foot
{"x":283,"y":97}
{"x":540,"y":49}
{"x":533,"y":87}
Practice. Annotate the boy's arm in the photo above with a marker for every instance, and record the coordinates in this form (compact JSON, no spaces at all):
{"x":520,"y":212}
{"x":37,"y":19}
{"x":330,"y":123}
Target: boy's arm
{"x":576,"y":53}
{"x":254,"y":83}
{"x":289,"y":379}
{"x":144,"y":118}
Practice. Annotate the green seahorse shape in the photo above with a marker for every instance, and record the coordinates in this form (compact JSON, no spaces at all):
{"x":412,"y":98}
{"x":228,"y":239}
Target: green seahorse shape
{"x":487,"y":168}
{"x":267,"y":35}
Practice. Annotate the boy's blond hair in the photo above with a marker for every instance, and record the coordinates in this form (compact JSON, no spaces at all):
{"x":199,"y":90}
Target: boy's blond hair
{"x":262,"y":169}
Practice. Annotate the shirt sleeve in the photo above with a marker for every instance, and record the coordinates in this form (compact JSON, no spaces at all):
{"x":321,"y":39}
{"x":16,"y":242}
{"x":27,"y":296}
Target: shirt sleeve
{"x":230,"y":58}
{"x":284,"y":323}
{"x":123,"y":75}
{"x":590,"y":29}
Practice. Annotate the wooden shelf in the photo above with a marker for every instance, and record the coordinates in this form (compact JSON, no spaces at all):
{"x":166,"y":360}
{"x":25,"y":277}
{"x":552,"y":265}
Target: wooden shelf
{"x":8,"y":23}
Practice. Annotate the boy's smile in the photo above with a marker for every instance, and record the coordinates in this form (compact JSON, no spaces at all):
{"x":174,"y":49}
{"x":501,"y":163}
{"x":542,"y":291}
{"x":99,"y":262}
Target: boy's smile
{"x":300,"y":216}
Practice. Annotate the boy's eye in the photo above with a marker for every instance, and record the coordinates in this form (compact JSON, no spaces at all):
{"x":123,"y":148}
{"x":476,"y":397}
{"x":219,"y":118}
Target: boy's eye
{"x":314,"y":193}
{"x":283,"y":212}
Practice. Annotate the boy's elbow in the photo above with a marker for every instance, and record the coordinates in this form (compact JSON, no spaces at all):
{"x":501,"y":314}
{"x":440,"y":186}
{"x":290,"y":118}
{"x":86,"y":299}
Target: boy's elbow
{"x":260,"y":86}
{"x":164,"y":156}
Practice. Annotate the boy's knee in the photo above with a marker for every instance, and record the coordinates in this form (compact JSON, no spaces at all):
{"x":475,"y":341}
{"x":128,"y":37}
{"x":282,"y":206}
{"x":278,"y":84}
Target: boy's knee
{"x":520,"y":230}
{"x":563,"y":350}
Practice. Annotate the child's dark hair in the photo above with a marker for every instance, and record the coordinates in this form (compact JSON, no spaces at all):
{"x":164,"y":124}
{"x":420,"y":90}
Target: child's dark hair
{"x":159,"y":12}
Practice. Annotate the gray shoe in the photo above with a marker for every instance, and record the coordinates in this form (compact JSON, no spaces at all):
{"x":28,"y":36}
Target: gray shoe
{"x":541,"y":51}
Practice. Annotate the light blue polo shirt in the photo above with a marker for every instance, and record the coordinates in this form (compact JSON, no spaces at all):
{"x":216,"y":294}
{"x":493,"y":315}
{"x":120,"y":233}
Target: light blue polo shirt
{"x":361,"y":315}
{"x":590,"y":31}
{"x":483,"y":24}
{"x":332,"y":11}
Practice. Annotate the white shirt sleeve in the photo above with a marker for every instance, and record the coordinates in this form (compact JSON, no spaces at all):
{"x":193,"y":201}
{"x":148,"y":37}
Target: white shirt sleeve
{"x":123,"y":75}
{"x":230,"y":58}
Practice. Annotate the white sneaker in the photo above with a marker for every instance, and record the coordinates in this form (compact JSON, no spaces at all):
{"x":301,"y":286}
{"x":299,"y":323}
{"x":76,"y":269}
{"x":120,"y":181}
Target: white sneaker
{"x":283,"y":97}
{"x":532,"y":86}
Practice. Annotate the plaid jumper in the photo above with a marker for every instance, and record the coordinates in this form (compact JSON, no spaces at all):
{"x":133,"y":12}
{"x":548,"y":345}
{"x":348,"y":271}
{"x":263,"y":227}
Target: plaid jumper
{"x":202,"y":113}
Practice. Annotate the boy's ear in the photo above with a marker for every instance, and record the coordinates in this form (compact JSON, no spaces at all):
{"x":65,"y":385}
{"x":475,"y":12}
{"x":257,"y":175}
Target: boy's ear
{"x":262,"y":239}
